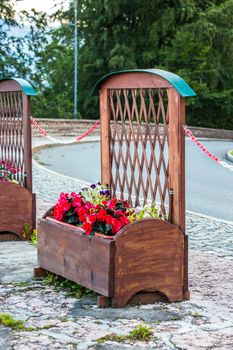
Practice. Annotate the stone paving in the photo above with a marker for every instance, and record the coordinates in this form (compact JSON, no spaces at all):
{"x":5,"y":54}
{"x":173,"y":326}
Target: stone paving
{"x":55,"y":320}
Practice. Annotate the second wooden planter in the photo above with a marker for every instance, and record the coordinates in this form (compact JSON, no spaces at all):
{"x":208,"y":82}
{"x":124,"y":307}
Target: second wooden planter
{"x":145,"y":256}
{"x":17,"y":207}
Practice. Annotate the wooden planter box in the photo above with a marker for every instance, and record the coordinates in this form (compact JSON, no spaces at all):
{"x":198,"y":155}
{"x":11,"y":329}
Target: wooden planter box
{"x":145,"y":256}
{"x":17,"y":207}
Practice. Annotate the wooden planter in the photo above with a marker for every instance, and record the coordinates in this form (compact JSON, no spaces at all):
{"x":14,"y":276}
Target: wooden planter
{"x":145,"y":256}
{"x":17,"y":207}
{"x":17,"y":202}
{"x":142,"y":114}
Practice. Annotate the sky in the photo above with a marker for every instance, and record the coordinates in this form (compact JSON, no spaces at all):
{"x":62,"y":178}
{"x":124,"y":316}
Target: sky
{"x":40,"y":5}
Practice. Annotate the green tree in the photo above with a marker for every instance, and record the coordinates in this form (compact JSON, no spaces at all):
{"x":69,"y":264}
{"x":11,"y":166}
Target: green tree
{"x":192,"y":38}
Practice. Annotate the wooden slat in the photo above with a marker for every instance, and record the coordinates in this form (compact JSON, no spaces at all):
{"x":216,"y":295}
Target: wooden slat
{"x":27,"y":142}
{"x":105,"y":138}
{"x":177,"y":157}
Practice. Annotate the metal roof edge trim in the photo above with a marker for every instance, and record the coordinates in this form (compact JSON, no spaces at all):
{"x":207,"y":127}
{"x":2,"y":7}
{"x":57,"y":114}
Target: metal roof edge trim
{"x":179,"y":84}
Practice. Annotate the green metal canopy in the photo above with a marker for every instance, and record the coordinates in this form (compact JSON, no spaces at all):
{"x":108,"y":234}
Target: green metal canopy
{"x":179,"y":84}
{"x":25,"y":86}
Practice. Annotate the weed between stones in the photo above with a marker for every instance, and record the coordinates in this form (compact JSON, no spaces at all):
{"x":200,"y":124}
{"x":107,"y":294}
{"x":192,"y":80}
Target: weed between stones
{"x":140,"y":332}
{"x":71,"y":288}
{"x":8,"y":321}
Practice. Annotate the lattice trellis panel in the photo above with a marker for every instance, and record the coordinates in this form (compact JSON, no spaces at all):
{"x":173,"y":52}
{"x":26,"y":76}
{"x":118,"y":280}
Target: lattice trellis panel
{"x":11,"y":130}
{"x":139,"y":144}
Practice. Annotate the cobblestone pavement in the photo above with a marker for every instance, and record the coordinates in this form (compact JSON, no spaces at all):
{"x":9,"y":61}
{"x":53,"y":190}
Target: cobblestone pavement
{"x":55,"y":320}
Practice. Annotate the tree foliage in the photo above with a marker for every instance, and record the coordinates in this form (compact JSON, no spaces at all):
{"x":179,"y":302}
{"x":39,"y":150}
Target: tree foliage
{"x":192,"y":38}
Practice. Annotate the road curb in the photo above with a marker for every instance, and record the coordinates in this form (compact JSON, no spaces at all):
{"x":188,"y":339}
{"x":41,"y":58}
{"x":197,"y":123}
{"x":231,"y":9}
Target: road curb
{"x":208,"y":217}
{"x":229,"y":156}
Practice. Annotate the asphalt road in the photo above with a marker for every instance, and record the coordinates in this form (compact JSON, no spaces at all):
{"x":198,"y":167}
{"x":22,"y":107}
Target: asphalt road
{"x":209,"y":187}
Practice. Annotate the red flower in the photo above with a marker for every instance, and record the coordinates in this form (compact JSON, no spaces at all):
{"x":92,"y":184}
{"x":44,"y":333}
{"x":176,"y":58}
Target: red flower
{"x":82,"y":214}
{"x":101,"y":215}
{"x":58,"y":213}
{"x":65,"y":205}
{"x":81,"y":211}
{"x":77,"y":201}
{"x":108,"y":219}
{"x":116,"y":225}
{"x":87,"y":227}
{"x":124,"y":220}
{"x":92,"y":218}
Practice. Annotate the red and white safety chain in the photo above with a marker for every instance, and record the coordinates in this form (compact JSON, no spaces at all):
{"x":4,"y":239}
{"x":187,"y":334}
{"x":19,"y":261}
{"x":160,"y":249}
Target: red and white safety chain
{"x":204,"y":150}
{"x":96,"y":124}
{"x":78,"y":138}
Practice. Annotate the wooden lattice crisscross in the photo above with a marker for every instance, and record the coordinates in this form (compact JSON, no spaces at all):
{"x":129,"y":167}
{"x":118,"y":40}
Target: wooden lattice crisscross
{"x":11,"y":130}
{"x":138,"y":144}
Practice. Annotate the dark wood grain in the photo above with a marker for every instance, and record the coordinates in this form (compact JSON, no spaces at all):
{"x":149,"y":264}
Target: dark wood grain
{"x":134,"y":81}
{"x":105,"y":138}
{"x":68,"y":252}
{"x":149,"y":256}
{"x":16,"y":208}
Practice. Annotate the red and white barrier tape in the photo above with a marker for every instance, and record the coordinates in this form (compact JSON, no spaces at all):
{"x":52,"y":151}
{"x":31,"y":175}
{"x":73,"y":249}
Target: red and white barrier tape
{"x":78,"y":138}
{"x":204,"y":150}
{"x":96,"y":124}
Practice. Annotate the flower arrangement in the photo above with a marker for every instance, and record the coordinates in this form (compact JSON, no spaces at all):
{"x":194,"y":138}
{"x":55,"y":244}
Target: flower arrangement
{"x":94,"y":210}
{"x":8,"y":170}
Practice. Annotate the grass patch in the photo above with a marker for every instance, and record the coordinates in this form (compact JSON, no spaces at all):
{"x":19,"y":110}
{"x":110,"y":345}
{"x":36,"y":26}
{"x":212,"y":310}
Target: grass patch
{"x":29,"y":234}
{"x":33,"y":237}
{"x":8,"y":321}
{"x":71,"y":288}
{"x":140,"y":332}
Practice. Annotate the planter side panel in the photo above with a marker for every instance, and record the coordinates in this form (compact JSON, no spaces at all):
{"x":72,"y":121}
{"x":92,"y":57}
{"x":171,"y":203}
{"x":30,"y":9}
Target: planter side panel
{"x":149,"y":257}
{"x":16,"y":208}
{"x":64,"y":250}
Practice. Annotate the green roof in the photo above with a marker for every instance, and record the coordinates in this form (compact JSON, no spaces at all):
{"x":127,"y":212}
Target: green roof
{"x":179,"y":84}
{"x":25,"y":86}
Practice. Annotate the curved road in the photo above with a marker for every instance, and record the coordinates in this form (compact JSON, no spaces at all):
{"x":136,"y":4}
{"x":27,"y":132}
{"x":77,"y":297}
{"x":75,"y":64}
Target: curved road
{"x":209,"y":187}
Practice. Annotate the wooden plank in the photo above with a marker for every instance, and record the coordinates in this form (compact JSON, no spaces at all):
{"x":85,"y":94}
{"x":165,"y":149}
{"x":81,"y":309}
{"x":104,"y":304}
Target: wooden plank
{"x":177,"y":157}
{"x":105,"y":138}
{"x":134,"y":81}
{"x":9,"y":85}
{"x":149,"y":256}
{"x":177,"y":168}
{"x":27,"y":142}
{"x":68,"y":252}
{"x":16,"y":204}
